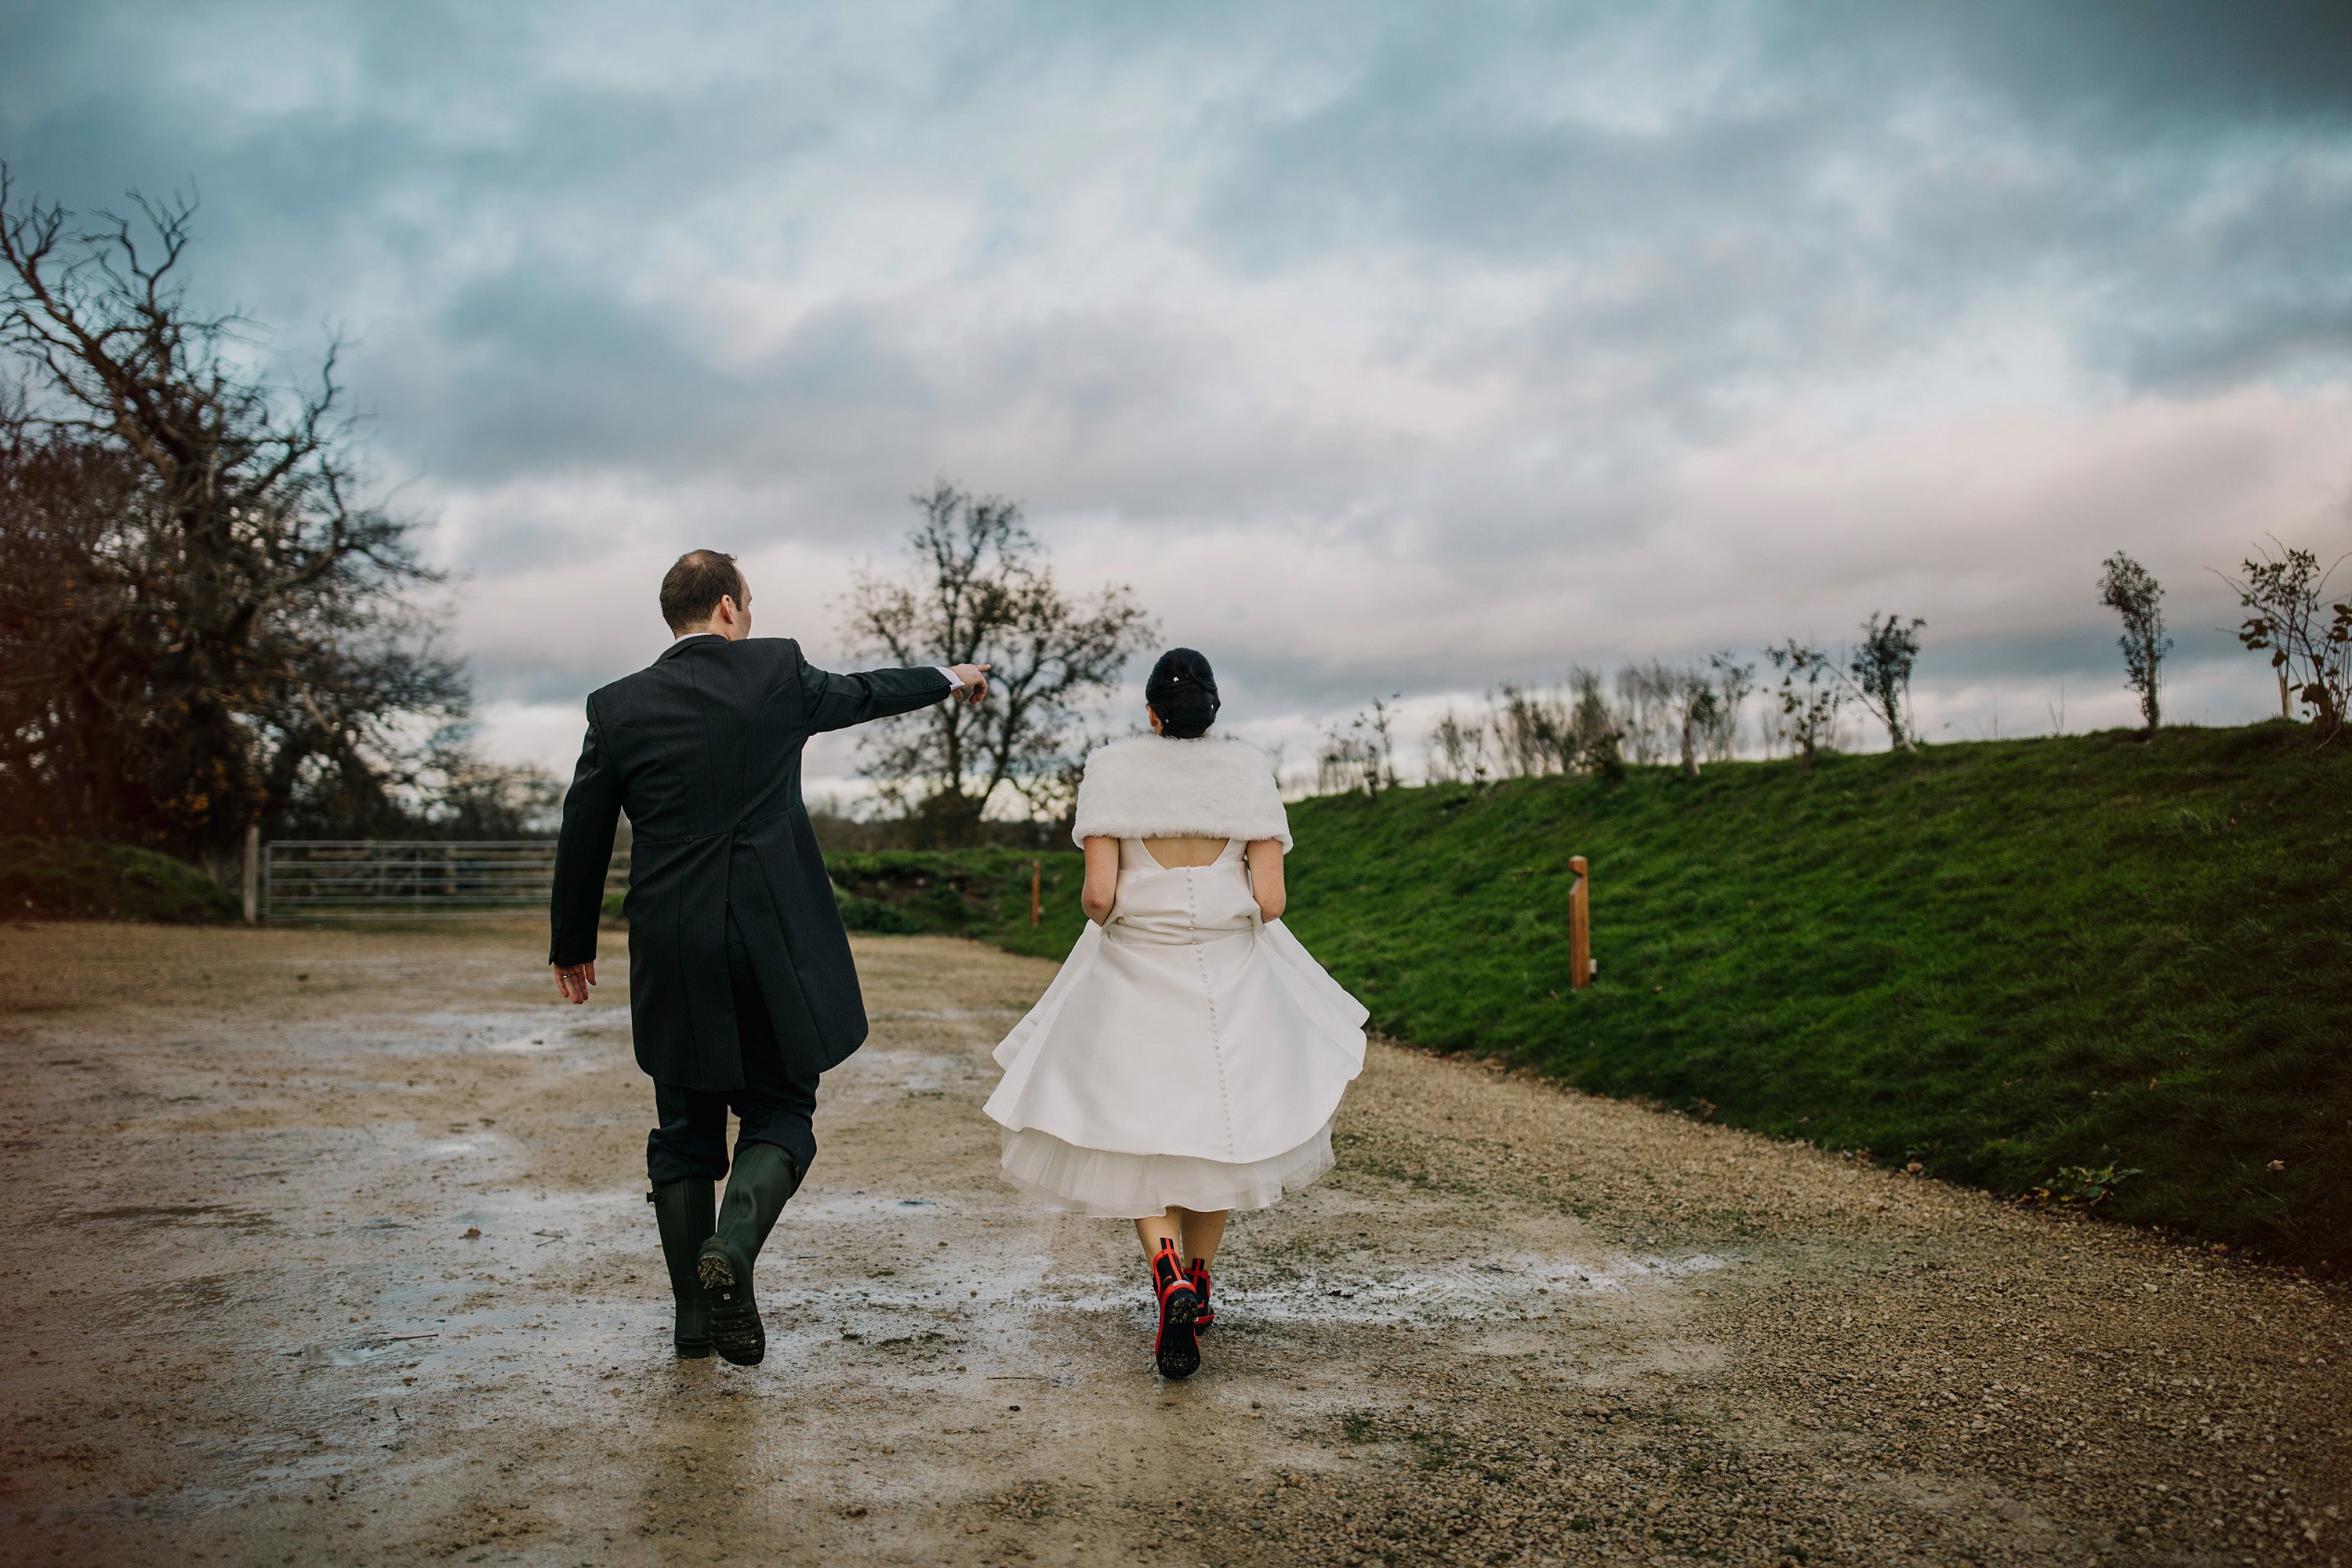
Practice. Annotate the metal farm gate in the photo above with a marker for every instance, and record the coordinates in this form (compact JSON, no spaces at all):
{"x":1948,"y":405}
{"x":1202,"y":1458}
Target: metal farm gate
{"x":385,"y":878}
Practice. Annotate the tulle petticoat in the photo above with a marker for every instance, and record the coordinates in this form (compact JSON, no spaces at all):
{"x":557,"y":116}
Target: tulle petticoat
{"x":1108,"y":1185}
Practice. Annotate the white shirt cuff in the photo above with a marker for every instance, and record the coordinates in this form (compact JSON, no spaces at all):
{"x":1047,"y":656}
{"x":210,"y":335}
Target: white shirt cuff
{"x":953,"y":684}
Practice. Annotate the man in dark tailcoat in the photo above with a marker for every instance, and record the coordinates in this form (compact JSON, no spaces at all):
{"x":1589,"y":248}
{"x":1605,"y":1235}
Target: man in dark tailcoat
{"x":741,"y":986}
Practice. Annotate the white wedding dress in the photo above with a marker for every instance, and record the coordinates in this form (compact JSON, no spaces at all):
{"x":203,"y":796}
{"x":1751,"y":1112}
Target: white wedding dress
{"x":1190,"y":1053}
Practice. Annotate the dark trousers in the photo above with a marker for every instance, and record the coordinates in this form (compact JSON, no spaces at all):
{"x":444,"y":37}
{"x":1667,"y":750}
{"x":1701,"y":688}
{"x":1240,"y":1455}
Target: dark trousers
{"x":772,"y":1106}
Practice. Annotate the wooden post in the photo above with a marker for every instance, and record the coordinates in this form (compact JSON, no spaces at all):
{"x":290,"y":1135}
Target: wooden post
{"x":1579,"y":927}
{"x":253,"y":873}
{"x":1036,"y":891}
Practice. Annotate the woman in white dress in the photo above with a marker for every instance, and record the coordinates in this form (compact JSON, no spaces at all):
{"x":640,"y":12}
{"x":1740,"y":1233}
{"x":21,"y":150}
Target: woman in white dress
{"x":1189,"y":1058}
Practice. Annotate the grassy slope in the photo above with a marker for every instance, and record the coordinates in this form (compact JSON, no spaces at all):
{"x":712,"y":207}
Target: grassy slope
{"x":68,"y":877}
{"x":1998,"y":960}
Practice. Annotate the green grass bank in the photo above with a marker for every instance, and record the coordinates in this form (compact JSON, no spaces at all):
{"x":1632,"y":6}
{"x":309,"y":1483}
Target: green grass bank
{"x":2000,"y":961}
{"x":49,"y":878}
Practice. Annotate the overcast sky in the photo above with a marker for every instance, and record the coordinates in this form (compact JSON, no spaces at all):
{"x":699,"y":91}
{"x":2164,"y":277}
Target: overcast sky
{"x":1383,"y":348}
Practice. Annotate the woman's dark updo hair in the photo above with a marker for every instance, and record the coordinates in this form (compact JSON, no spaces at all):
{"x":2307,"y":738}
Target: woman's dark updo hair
{"x":1184,"y":692}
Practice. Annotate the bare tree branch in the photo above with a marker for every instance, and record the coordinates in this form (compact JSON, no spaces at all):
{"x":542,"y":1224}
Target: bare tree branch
{"x":220,"y":633}
{"x":981,"y":593}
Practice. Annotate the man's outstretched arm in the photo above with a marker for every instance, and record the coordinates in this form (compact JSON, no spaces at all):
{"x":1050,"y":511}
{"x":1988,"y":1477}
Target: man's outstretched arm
{"x":837,"y":702}
{"x":583,"y":853}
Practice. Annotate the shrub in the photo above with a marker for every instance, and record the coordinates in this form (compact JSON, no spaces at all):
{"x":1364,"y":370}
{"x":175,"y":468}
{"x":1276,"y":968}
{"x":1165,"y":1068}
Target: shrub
{"x":73,"y":878}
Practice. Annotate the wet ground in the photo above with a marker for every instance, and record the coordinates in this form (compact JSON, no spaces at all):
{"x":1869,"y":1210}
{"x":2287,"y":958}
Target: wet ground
{"x":330,"y":1247}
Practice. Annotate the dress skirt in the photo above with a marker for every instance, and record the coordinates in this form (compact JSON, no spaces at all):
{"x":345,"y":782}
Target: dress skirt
{"x":1188,"y":1054}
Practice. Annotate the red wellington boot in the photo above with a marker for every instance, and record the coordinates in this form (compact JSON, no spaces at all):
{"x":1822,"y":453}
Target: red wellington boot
{"x":1175,"y":1349}
{"x":1203,"y":1320}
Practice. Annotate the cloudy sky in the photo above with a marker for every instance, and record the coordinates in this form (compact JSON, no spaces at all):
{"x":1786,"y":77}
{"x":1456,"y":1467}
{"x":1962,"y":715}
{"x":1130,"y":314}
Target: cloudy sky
{"x":1382,"y":348}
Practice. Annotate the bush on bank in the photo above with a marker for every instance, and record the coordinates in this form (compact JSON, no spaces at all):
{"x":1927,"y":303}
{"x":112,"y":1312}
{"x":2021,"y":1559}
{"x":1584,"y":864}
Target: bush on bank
{"x":72,"y":879}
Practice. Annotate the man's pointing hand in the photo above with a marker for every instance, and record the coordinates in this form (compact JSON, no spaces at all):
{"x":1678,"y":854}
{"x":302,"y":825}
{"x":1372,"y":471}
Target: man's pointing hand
{"x":972,"y":682}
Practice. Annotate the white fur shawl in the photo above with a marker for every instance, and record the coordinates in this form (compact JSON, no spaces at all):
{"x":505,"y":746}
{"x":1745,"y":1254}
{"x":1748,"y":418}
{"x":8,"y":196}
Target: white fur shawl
{"x":1149,"y":786}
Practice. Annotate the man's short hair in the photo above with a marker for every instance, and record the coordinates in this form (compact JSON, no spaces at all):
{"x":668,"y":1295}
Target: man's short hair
{"x":692,"y":589}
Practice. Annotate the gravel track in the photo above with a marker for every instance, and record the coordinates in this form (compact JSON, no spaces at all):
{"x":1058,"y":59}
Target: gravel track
{"x":246,"y":1322}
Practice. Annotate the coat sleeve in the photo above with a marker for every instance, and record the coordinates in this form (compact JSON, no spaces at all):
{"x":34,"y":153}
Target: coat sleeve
{"x":584,"y":852}
{"x":837,"y":702}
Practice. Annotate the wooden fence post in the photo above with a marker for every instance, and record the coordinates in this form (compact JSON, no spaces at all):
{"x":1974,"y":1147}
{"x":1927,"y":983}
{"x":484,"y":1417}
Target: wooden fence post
{"x":253,"y":873}
{"x":1579,"y":927}
{"x":1037,"y":890}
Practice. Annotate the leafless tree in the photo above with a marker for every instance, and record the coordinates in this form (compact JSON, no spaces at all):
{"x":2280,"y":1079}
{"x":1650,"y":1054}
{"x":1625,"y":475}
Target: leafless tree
{"x":1339,"y":761}
{"x":2309,"y":639}
{"x":1810,"y":694}
{"x":203,"y":628}
{"x":1593,"y":727}
{"x":1456,"y":752}
{"x":1649,"y":710}
{"x":1360,"y":757}
{"x":2132,"y":591}
{"x":1380,"y":736}
{"x":1733,"y":683}
{"x":1533,"y":733}
{"x":1698,"y":714}
{"x":981,"y":593}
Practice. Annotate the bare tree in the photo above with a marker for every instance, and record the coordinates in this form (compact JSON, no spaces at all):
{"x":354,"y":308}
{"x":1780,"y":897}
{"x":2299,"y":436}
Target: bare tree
{"x":2132,"y":591}
{"x":1379,"y":737}
{"x":1733,"y":683}
{"x":1698,"y":709}
{"x":981,"y":593}
{"x":1360,"y":757}
{"x":1650,"y":710}
{"x":1456,"y":752}
{"x":1810,"y":694}
{"x":1533,"y":733}
{"x":1339,"y":761}
{"x":2286,"y":594}
{"x":204,"y":628}
{"x":1880,"y":672}
{"x":1593,"y":726}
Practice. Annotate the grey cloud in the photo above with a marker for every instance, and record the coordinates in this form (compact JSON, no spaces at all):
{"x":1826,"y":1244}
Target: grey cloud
{"x":1864,"y":173}
{"x":2126,"y":67}
{"x":1697,"y":218}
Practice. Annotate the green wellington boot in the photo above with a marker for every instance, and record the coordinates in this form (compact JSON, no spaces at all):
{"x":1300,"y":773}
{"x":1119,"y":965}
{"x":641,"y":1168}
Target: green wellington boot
{"x":763,"y":1179}
{"x":687,"y":1212}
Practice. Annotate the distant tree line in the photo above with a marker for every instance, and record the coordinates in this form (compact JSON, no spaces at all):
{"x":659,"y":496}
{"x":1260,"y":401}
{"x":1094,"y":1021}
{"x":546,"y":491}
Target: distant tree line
{"x":1657,"y":713}
{"x":203,"y":621}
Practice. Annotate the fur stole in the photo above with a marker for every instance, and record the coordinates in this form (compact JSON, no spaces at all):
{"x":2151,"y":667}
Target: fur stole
{"x":1149,"y":787}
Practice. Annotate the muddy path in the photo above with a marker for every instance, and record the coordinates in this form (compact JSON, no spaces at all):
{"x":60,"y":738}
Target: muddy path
{"x":330,"y":1247}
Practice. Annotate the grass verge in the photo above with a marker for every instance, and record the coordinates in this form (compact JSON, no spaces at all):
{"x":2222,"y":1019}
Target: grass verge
{"x":2022,"y":964}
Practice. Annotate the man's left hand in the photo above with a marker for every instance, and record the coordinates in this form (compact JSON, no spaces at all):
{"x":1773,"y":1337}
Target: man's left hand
{"x":574,"y":980}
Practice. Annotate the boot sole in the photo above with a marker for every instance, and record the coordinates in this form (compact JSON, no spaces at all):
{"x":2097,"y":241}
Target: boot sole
{"x":736,"y":1331}
{"x":1178,"y":1352}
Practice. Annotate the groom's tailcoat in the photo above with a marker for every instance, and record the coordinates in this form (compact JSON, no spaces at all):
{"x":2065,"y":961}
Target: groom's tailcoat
{"x":702,"y":748}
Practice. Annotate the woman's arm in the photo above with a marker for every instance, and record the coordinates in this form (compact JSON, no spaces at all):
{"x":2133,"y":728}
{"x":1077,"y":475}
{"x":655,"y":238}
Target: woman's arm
{"x":1266,"y":876}
{"x":1100,"y":895}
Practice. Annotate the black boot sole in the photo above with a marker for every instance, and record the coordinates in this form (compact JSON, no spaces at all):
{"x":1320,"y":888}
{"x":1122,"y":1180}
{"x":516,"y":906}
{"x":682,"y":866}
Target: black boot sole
{"x":736,"y":1331}
{"x":1178,"y":1354}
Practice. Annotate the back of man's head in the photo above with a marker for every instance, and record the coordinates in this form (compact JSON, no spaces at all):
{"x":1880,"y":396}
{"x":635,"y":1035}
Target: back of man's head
{"x":692,"y":590}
